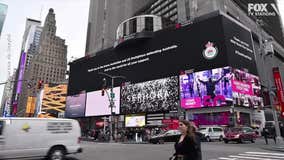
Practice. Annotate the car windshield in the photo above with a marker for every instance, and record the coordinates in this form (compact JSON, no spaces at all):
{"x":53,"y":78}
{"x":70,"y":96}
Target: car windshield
{"x":201,"y":129}
{"x":171,"y":132}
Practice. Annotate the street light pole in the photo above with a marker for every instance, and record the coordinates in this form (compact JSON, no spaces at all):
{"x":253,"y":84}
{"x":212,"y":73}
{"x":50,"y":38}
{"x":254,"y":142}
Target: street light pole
{"x":279,"y":139}
{"x":263,"y":52}
{"x":111,"y":100}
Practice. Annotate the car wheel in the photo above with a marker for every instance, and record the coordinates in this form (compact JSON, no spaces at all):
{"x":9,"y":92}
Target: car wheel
{"x":57,"y":153}
{"x":221,"y":138}
{"x":252,"y":141}
{"x":226,"y":141}
{"x":208,"y":139}
{"x":161,"y":141}
{"x":241,"y":140}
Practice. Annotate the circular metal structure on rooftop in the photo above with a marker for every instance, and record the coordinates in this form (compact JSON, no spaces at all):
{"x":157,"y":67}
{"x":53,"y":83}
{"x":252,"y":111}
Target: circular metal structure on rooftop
{"x":137,"y":28}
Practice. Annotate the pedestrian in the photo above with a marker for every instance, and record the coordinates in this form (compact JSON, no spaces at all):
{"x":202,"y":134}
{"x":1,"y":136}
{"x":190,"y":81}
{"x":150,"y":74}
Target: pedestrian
{"x":273,"y":134}
{"x":198,"y":137}
{"x":265,"y":134}
{"x":186,"y":148}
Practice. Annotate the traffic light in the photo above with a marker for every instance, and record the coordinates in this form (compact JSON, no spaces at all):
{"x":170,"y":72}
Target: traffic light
{"x":39,"y":84}
{"x":104,"y":86}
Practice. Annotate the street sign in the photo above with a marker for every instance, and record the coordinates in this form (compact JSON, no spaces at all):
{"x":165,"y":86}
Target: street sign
{"x":112,"y":95}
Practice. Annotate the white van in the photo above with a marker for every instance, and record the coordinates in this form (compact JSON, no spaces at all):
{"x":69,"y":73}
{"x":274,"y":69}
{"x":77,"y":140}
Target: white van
{"x":212,"y":133}
{"x":39,"y":137}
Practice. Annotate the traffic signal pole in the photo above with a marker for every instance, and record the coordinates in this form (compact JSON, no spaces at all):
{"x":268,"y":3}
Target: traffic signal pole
{"x":111,"y":101}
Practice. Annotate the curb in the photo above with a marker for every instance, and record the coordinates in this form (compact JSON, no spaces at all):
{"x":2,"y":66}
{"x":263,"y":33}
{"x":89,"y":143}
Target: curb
{"x":131,"y":142}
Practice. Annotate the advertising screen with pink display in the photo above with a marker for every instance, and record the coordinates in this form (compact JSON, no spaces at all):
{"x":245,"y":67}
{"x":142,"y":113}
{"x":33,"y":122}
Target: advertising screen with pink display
{"x":246,"y":89}
{"x":220,"y":118}
{"x":219,"y":87}
{"x":98,"y":105}
{"x":206,"y":88}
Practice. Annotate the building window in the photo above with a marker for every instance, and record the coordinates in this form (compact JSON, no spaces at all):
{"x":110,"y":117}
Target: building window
{"x":149,"y":24}
{"x":187,"y":9}
{"x":132,"y":26}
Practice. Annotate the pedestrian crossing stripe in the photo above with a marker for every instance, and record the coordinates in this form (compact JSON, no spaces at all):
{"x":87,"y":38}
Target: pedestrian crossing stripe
{"x":266,"y":153}
{"x":253,"y":156}
{"x":265,"y":156}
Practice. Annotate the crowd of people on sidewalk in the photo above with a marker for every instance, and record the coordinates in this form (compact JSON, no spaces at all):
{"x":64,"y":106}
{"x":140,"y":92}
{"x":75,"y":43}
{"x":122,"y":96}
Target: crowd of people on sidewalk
{"x":124,"y":135}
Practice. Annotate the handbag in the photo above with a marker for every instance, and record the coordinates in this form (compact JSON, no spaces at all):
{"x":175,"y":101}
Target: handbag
{"x":177,"y":157}
{"x":173,"y":157}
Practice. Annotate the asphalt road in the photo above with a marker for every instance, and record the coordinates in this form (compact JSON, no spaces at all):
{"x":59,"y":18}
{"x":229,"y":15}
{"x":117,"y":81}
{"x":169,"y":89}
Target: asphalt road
{"x":210,"y":151}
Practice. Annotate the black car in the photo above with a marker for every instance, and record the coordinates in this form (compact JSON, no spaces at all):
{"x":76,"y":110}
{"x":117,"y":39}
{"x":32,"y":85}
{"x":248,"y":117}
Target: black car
{"x":169,"y":136}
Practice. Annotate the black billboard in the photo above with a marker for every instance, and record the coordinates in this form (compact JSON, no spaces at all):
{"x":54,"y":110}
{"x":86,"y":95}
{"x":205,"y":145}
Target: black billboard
{"x":199,"y":46}
{"x":75,"y":105}
{"x":149,"y":97}
{"x":239,"y":46}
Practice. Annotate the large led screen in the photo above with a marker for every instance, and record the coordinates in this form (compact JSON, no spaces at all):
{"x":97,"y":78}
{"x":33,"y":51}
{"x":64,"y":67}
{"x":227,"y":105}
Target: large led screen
{"x":206,"y":88}
{"x":219,"y":87}
{"x":98,"y":105}
{"x":21,"y":72}
{"x":246,"y":89}
{"x":54,"y":99}
{"x":134,"y":121}
{"x":194,"y":46}
{"x":221,"y":118}
{"x":152,"y":96}
{"x":75,"y":105}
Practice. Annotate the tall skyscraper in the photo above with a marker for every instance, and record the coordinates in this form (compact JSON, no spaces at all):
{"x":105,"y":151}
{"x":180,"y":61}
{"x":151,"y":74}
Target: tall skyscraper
{"x":49,"y":64}
{"x":5,"y":108}
{"x":30,"y":45}
{"x":31,"y":38}
{"x":3,"y":12}
{"x":104,"y":18}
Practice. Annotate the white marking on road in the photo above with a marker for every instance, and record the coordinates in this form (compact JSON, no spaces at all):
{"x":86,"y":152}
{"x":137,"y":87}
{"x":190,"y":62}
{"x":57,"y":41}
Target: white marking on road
{"x":266,"y":156}
{"x":244,"y":157}
{"x":255,"y":156}
{"x":227,"y":158}
{"x":266,"y":153}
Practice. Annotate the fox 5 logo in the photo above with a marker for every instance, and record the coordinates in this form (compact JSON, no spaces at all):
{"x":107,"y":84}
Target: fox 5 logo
{"x":262,"y":9}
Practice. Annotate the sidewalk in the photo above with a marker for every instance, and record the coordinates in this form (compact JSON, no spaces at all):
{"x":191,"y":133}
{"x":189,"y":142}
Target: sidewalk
{"x":134,"y":142}
{"x":97,"y":141}
{"x":271,"y":146}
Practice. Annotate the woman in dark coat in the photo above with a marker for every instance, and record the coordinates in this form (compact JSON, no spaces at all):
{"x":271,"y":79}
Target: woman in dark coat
{"x":188,"y":145}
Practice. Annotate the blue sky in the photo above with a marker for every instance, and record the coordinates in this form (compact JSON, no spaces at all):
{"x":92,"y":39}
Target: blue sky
{"x":71,"y":21}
